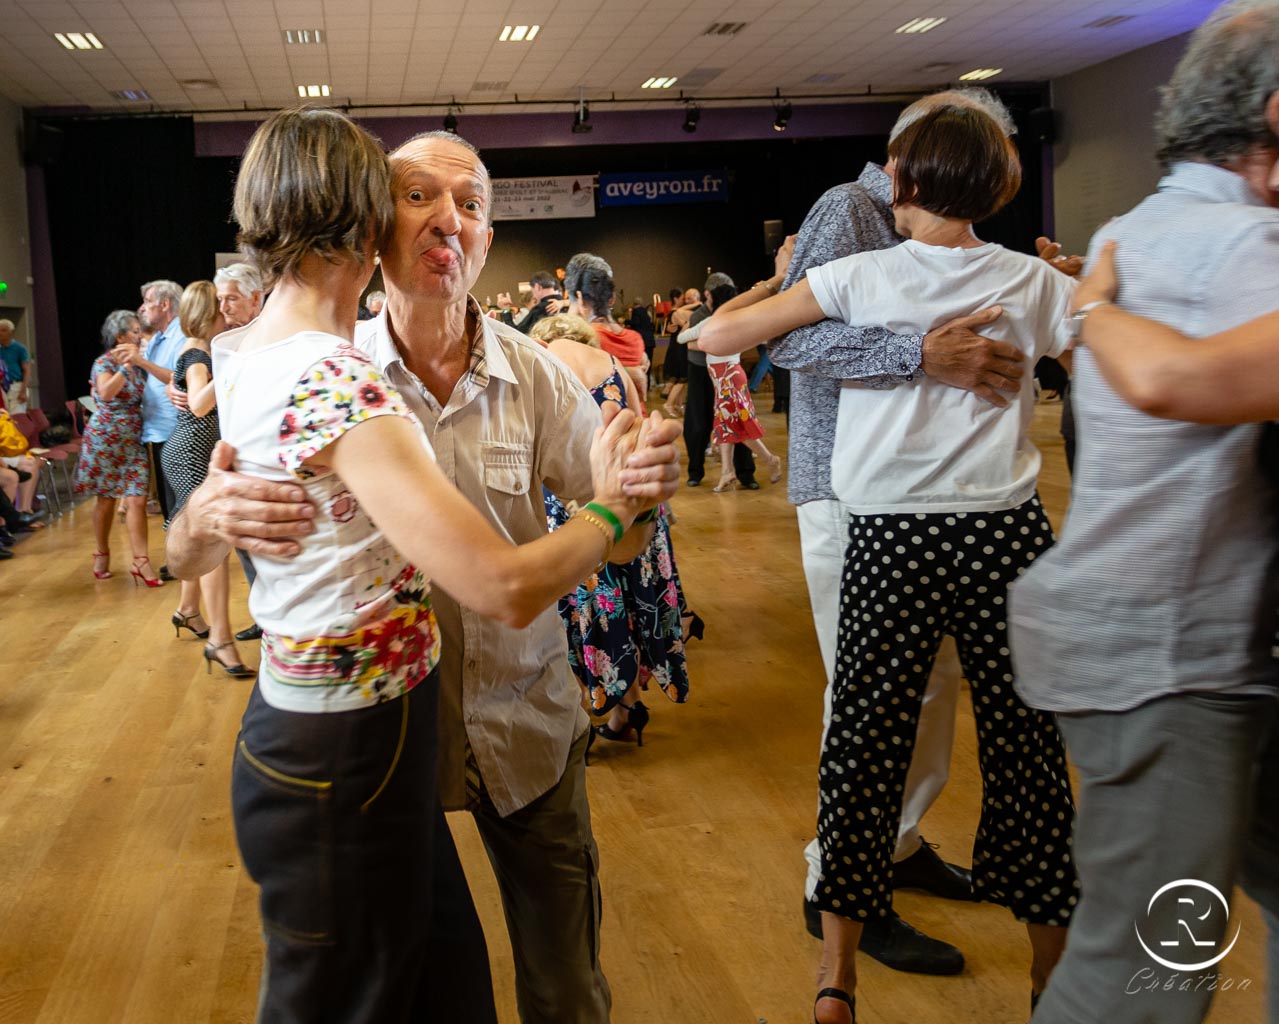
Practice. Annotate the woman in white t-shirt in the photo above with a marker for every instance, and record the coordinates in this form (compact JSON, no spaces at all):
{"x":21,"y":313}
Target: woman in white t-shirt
{"x":333,"y":784}
{"x":940,"y":489}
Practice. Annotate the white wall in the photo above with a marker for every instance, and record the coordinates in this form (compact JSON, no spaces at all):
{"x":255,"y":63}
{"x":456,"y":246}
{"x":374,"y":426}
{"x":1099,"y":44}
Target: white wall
{"x":1104,"y":162}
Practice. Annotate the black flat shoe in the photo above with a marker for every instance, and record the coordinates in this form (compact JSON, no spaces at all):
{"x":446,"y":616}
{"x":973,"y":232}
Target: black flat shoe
{"x":835,"y":993}
{"x":895,"y":944}
{"x":924,"y":870}
{"x":253,"y":632}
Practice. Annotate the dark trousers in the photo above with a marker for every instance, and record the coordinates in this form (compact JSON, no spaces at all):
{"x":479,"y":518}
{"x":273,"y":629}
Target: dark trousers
{"x":699,"y":416}
{"x":339,"y":823}
{"x":163,"y":491}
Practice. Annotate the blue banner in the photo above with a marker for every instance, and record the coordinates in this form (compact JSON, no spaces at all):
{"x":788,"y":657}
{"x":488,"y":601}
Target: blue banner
{"x":649,"y":188}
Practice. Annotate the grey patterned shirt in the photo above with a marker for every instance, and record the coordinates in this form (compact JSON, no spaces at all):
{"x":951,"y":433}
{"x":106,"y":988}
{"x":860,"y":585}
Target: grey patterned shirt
{"x":1163,"y":579}
{"x":850,"y":218}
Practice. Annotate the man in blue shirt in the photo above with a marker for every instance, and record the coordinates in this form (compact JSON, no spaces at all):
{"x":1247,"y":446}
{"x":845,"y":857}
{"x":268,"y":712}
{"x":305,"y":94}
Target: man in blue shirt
{"x":159,"y":312}
{"x":17,"y":363}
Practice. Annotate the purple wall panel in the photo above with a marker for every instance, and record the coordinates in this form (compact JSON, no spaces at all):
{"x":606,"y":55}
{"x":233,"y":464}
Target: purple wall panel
{"x":611,"y":127}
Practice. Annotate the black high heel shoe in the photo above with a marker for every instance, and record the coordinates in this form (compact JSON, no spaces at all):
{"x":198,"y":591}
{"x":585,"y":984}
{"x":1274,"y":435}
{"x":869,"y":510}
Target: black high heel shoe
{"x":236,"y":671}
{"x":835,"y":993}
{"x":695,"y":628}
{"x":636,"y":718}
{"x":181,"y":622}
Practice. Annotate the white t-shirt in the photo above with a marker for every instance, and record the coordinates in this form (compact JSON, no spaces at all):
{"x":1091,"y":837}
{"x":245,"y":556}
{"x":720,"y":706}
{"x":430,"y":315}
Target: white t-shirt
{"x":924,"y":446}
{"x":347,"y":622}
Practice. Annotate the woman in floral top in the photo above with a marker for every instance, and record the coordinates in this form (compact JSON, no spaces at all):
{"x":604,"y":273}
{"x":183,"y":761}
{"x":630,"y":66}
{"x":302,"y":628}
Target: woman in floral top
{"x":333,"y":785}
{"x":113,"y":461}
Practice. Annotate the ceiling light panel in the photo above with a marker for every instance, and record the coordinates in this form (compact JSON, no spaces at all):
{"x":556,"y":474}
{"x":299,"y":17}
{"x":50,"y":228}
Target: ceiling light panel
{"x":917,"y":25}
{"x":131,"y":94}
{"x":303,"y":36}
{"x":312,"y":91}
{"x":980,"y":74}
{"x":659,"y":83}
{"x":78,"y":40}
{"x":518,"y":33}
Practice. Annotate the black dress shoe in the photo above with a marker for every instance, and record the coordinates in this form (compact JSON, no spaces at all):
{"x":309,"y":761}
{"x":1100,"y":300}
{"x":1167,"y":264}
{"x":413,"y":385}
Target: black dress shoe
{"x":5,"y":554}
{"x":897,"y":945}
{"x":694,"y":481}
{"x":27,"y":518}
{"x":7,"y":539}
{"x":254,"y":632}
{"x":923,"y":869}
{"x":165,"y":575}
{"x":748,"y":485}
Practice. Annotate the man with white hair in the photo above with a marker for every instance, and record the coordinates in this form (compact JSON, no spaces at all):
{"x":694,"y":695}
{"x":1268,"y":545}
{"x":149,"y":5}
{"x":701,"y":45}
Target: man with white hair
{"x":17,"y":364}
{"x":373,"y":303}
{"x":240,"y":293}
{"x":159,"y":312}
{"x":1148,"y":628}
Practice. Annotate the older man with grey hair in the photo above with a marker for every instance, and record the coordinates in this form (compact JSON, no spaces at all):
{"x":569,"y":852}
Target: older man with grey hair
{"x":240,"y":293}
{"x":159,"y":312}
{"x":1148,"y":628}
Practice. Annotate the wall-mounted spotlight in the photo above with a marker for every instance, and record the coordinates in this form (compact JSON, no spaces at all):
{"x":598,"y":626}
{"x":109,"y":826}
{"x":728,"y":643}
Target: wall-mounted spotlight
{"x":581,"y":116}
{"x":692,"y":114}
{"x":782,"y":112}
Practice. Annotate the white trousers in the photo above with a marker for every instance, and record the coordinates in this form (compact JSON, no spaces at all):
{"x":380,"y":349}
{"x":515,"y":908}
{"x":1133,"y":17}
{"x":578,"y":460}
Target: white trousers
{"x":823,"y":538}
{"x":11,"y":399}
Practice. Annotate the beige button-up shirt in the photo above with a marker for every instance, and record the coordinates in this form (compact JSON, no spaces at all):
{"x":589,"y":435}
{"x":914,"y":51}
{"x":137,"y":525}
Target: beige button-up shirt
{"x":517,"y":419}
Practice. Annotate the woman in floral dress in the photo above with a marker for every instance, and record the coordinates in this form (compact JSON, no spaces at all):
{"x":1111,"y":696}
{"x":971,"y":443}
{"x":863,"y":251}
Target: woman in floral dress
{"x":624,"y":622}
{"x":113,"y":461}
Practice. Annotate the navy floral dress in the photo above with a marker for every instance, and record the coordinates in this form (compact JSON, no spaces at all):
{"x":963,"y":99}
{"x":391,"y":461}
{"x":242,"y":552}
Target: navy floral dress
{"x":625,"y":622}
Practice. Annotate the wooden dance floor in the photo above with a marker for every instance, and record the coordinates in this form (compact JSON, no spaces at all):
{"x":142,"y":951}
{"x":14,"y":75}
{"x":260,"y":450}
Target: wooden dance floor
{"x":121,"y":894}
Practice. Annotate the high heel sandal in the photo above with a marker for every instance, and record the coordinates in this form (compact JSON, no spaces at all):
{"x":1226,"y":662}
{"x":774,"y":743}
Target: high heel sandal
{"x":636,"y":718}
{"x":104,"y":574}
{"x":695,"y":628}
{"x":136,"y":573}
{"x":775,"y":472}
{"x":726,"y":483}
{"x":835,"y":993}
{"x":181,"y":622}
{"x":236,"y":671}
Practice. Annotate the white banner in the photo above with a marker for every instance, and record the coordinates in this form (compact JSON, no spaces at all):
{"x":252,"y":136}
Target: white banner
{"x":544,"y":198}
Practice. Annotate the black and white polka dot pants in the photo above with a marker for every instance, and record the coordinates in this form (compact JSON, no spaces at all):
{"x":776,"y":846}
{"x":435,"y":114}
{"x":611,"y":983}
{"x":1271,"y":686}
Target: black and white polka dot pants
{"x":908,"y":581}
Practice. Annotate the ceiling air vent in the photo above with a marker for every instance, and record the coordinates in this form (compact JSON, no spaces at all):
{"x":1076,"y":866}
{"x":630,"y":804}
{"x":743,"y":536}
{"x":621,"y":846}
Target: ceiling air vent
{"x":489,"y":86}
{"x":1113,"y":20}
{"x":724,"y":28}
{"x":699,"y":76}
{"x":824,"y":78}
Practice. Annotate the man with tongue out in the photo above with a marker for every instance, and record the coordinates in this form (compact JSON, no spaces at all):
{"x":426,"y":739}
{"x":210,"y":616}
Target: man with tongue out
{"x":503,"y":418}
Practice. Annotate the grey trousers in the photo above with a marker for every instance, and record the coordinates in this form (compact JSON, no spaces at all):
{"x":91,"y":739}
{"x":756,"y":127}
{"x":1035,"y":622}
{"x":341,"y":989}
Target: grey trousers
{"x":547,"y":868}
{"x":1167,"y":797}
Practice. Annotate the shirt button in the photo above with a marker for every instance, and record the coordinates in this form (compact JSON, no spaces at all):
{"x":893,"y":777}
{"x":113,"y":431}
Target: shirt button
{"x":471,"y":664}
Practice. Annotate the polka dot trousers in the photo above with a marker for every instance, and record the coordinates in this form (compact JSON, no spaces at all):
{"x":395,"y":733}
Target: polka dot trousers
{"x":908,"y":581}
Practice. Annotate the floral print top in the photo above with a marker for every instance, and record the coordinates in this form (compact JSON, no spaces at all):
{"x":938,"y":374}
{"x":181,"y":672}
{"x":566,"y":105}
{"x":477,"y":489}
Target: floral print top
{"x":347,"y":622}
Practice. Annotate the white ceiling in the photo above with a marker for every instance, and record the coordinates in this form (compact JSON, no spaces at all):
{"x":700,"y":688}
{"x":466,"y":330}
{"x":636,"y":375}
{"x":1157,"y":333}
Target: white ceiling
{"x":407,"y":52}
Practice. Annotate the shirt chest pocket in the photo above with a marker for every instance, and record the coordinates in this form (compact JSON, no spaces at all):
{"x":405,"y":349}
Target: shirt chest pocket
{"x":508,"y":467}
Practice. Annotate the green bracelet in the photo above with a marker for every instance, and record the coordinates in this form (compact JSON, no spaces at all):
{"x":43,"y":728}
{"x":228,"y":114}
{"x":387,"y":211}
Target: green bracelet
{"x":608,"y":517}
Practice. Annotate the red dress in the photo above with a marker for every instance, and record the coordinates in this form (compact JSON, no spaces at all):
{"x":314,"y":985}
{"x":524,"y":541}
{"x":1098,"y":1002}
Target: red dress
{"x":735,"y":418}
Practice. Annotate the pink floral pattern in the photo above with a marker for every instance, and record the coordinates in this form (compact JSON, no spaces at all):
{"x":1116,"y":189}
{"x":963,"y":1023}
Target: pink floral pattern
{"x":113,"y":459}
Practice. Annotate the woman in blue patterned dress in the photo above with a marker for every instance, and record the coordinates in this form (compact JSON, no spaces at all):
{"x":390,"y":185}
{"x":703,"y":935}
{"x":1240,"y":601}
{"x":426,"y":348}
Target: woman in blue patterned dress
{"x":624,"y":623}
{"x":113,"y":462}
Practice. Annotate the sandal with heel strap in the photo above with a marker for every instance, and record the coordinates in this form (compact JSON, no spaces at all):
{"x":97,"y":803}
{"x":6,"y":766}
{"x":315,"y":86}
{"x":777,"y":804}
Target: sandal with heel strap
{"x":136,"y":573}
{"x":103,"y":574}
{"x":181,"y":622}
{"x":236,"y":671}
{"x":839,"y":994}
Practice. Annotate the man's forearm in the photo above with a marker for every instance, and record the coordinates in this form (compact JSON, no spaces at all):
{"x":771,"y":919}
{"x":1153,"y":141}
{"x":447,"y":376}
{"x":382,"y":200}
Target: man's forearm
{"x":160,"y":373}
{"x":189,"y":557}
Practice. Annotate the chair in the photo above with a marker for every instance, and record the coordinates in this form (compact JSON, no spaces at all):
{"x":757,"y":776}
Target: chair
{"x":32,"y":423}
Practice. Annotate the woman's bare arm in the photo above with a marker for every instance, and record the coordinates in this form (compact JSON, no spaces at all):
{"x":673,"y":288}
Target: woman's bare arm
{"x":736,"y":330}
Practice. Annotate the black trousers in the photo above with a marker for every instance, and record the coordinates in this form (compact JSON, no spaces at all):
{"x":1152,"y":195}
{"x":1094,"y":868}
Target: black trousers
{"x":339,"y":822}
{"x":699,"y":416}
{"x":163,"y":491}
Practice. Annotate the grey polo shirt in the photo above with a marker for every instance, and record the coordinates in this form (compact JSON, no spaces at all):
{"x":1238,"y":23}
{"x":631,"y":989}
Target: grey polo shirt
{"x":1162,"y":581}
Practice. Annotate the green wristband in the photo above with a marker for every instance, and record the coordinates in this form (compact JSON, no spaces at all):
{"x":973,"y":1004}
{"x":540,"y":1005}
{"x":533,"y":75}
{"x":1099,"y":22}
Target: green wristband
{"x":608,"y":517}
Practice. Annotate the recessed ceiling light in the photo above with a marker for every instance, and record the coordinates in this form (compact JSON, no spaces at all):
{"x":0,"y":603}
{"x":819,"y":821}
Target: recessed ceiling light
{"x":131,"y":94}
{"x":198,"y":84}
{"x":303,"y":36}
{"x":938,"y":65}
{"x":78,"y":40}
{"x":659,"y":83}
{"x":824,"y":78}
{"x":724,"y":28}
{"x":980,"y":74}
{"x":519,"y":33}
{"x":918,"y":25}
{"x":312,"y":91}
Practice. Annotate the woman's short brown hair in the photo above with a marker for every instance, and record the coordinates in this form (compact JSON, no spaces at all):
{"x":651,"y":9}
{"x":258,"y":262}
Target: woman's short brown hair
{"x":198,"y":310}
{"x":565,"y":325}
{"x":955,"y":162}
{"x":312,"y":181}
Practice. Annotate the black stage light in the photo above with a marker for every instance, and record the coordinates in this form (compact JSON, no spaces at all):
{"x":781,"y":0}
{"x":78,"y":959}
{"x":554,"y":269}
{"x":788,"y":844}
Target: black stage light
{"x":782,"y":119}
{"x":450,"y":122}
{"x":692,"y":114}
{"x":582,"y":119}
